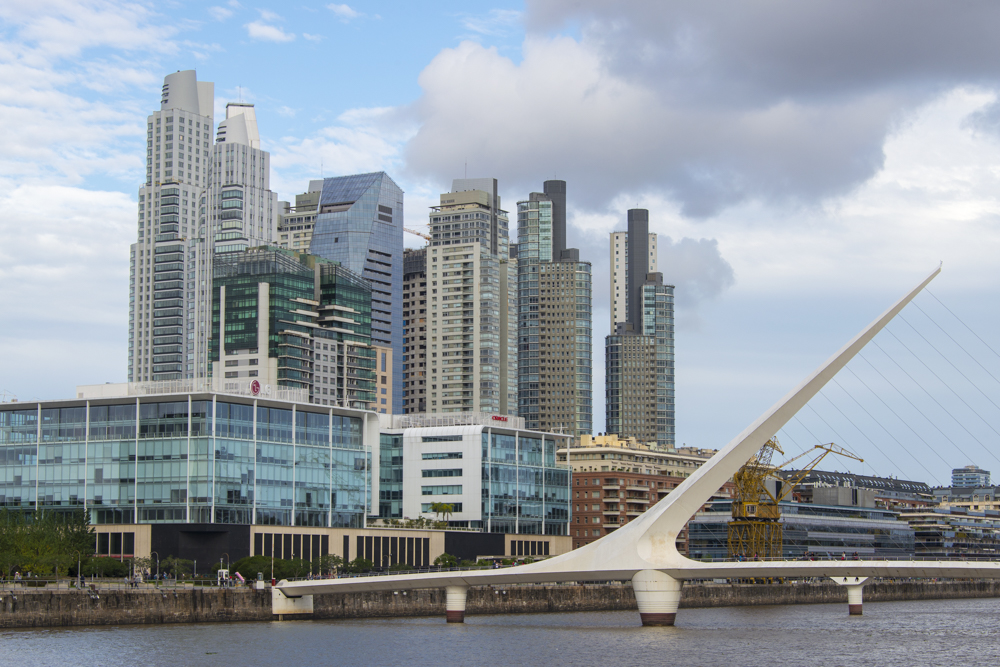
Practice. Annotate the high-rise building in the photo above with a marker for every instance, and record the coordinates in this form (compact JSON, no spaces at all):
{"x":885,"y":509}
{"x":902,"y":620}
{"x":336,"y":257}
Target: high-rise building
{"x":555,"y":323}
{"x":470,"y":331}
{"x":471,"y":320}
{"x":171,"y":257}
{"x":619,"y":262}
{"x":199,"y":199}
{"x":639,"y":369}
{"x":471,"y":212}
{"x":971,"y":476}
{"x":358,"y":223}
{"x":292,"y":320}
{"x":414,"y":330}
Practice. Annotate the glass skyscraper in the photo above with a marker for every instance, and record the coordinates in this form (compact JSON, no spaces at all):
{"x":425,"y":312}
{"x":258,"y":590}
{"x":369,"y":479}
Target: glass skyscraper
{"x":360,"y":225}
{"x":316,"y":336}
{"x":555,"y":320}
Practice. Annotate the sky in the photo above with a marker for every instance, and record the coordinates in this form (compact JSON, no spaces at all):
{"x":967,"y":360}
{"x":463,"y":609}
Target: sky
{"x":804,"y":164}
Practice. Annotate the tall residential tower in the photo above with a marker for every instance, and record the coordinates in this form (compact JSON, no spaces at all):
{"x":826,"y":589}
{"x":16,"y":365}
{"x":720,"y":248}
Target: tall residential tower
{"x":199,"y":199}
{"x":555,"y":323}
{"x":639,"y":353}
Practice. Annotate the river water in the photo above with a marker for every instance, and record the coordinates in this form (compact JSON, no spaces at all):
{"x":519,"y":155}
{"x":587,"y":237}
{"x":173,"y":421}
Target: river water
{"x":945,"y":632}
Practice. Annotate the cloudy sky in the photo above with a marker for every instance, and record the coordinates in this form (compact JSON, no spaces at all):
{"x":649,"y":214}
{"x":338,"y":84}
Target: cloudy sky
{"x":804,"y":163}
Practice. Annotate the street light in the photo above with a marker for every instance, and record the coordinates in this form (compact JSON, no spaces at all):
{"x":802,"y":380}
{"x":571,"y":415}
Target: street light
{"x":157,"y":564}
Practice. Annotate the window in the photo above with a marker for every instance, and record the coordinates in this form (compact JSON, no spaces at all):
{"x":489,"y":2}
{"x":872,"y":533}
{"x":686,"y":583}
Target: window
{"x":441,"y":438}
{"x":442,"y":490}
{"x":426,"y":507}
{"x":442,"y":472}
{"x":437,"y":456}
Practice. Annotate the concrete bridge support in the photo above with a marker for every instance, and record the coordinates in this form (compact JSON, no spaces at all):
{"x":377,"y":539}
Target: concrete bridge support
{"x":657,"y":595}
{"x":454,"y":603}
{"x":855,"y":588}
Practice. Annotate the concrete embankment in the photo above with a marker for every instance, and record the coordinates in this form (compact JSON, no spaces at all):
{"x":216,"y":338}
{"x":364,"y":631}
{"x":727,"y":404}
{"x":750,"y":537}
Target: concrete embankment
{"x":25,"y":608}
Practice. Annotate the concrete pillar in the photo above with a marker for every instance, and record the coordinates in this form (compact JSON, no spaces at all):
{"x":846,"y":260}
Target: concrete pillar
{"x":657,"y":595}
{"x":854,"y":594}
{"x":454,"y":603}
{"x":855,"y":586}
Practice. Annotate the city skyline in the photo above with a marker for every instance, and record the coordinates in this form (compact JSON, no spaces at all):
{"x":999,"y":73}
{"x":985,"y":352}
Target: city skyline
{"x":775,"y":252}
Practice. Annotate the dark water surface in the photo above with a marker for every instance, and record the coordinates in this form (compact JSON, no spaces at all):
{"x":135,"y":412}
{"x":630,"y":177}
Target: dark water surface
{"x":945,"y":632}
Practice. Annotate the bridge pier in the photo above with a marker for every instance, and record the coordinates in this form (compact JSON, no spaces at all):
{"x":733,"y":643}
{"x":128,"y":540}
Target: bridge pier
{"x":657,"y":595}
{"x":855,"y":592}
{"x":454,"y":603}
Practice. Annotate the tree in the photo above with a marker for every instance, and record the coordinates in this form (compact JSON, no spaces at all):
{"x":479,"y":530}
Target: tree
{"x":443,"y":510}
{"x":176,"y":566}
{"x":359,"y":565}
{"x":327,"y":564}
{"x":446,"y":560}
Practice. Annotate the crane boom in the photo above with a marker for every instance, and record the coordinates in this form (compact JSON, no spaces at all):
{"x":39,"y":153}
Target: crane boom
{"x":426,"y":237}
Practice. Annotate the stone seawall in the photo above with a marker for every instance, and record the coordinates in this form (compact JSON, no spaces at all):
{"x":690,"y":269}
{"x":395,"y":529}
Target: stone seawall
{"x":26,"y":608}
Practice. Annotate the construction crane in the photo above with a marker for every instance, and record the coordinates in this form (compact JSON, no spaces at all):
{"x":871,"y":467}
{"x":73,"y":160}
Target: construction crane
{"x":426,"y":237}
{"x":755,"y":529}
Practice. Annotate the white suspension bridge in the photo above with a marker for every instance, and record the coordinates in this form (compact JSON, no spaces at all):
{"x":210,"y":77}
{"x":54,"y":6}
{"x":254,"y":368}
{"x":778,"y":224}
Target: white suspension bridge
{"x":644,"y":550}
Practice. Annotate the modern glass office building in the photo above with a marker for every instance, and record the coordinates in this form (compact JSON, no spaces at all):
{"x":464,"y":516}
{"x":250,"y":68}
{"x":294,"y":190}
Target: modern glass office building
{"x":315,"y":334}
{"x":497,"y":476}
{"x":360,"y":225}
{"x":829,"y":531}
{"x":188,"y":457}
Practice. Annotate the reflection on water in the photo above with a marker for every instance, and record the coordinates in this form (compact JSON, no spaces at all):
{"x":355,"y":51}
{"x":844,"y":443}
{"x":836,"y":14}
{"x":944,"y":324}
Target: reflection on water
{"x":945,"y":632}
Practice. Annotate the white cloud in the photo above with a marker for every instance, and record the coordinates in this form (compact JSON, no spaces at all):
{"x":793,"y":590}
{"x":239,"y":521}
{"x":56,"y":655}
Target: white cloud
{"x":362,"y":140}
{"x":286,"y":111}
{"x":345,"y":12}
{"x":496,"y":22}
{"x":268,"y":15}
{"x":269,"y":33}
{"x":312,"y":38}
{"x":220,"y":13}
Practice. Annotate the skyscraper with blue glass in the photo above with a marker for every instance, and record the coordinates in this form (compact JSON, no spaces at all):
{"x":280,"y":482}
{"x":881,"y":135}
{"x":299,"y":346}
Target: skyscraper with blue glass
{"x":360,"y":224}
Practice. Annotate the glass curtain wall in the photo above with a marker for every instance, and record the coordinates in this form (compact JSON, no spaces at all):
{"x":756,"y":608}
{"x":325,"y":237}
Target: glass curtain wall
{"x":524,"y":491}
{"x":195,"y":461}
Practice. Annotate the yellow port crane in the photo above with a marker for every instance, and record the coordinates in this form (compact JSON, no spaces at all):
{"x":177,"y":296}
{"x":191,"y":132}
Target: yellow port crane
{"x":426,"y":237}
{"x":755,"y":529}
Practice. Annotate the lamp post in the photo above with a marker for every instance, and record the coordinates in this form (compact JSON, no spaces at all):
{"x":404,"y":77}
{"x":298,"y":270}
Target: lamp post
{"x":157,"y":564}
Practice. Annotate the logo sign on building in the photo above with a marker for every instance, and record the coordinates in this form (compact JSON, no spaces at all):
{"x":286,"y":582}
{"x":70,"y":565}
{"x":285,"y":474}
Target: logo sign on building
{"x":255,"y":388}
{"x":499,"y":418}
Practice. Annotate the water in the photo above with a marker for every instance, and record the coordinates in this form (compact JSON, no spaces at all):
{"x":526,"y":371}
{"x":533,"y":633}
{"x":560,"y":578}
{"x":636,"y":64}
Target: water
{"x":945,"y":632}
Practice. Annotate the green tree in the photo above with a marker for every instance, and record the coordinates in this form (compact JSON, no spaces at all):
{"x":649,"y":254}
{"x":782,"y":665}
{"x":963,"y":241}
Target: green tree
{"x":359,"y":565}
{"x":443,"y":510}
{"x":327,"y":564}
{"x":176,"y":567}
{"x":446,"y":560}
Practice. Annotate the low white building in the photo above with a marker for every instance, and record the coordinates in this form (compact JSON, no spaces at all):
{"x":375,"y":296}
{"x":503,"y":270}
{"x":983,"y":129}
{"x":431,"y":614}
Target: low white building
{"x":496,"y":475}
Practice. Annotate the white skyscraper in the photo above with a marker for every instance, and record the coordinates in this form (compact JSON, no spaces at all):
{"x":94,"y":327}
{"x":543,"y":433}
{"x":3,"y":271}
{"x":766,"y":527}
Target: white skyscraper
{"x":619,"y":274}
{"x":197,"y":200}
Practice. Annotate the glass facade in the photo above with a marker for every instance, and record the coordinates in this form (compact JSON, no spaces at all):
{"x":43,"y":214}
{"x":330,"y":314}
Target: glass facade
{"x":318,"y":324}
{"x":390,"y":476}
{"x":524,"y":491}
{"x":827,"y":531}
{"x":193,"y":459}
{"x":360,"y":226}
